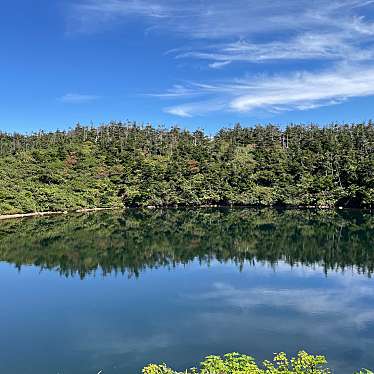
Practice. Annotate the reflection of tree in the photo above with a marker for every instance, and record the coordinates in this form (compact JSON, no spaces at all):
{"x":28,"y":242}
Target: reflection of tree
{"x":132,"y":241}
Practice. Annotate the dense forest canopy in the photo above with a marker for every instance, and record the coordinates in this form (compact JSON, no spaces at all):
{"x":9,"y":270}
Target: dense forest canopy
{"x":124,"y":164}
{"x":138,"y":239}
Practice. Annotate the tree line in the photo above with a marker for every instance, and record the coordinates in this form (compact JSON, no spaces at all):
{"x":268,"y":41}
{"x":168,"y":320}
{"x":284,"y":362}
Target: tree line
{"x":126,"y":164}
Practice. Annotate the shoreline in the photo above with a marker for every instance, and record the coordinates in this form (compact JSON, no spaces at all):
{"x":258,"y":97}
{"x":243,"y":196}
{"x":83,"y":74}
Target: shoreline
{"x":51,"y":213}
{"x":152,"y":207}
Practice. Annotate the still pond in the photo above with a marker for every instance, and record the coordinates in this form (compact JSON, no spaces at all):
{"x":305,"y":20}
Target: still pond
{"x":114,"y":291}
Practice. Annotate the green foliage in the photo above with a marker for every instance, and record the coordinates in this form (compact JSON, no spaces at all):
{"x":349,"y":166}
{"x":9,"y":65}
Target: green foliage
{"x":124,"y":164}
{"x":157,"y":369}
{"x":235,"y":363}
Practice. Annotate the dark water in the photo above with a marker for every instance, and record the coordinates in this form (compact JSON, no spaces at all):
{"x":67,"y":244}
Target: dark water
{"x":114,"y":291}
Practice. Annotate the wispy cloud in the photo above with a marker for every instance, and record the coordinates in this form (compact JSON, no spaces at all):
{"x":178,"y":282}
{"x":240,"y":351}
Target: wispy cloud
{"x":91,"y":15}
{"x":307,"y":46}
{"x":236,"y":18}
{"x":220,"y":64}
{"x":334,"y":36}
{"x":176,"y":91}
{"x":123,"y":8}
{"x":195,"y":108}
{"x":74,"y":98}
{"x":275,"y":93}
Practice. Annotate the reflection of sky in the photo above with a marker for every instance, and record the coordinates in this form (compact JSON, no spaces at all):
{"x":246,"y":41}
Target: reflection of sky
{"x":52,"y":324}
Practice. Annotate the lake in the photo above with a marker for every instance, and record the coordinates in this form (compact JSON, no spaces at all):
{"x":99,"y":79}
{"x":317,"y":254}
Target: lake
{"x":114,"y":291}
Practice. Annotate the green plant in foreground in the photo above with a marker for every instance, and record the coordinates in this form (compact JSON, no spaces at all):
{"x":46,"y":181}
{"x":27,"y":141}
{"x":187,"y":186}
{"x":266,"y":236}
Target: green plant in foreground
{"x":235,"y":363}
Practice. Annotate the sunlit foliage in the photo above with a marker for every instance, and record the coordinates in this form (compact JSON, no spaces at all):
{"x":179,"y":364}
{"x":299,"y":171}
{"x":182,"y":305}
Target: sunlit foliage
{"x":123,"y":164}
{"x":235,"y":363}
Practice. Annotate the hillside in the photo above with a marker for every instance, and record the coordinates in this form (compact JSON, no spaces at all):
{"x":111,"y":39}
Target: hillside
{"x":124,"y":164}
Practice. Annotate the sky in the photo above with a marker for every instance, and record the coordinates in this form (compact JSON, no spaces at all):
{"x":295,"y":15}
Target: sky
{"x":193,"y":63}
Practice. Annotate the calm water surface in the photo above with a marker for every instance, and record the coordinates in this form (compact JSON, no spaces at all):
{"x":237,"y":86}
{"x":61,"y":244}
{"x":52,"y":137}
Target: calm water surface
{"x":115,"y":291}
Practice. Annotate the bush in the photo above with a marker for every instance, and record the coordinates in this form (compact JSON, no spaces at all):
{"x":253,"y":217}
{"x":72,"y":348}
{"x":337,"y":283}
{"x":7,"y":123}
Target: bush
{"x":235,"y":363}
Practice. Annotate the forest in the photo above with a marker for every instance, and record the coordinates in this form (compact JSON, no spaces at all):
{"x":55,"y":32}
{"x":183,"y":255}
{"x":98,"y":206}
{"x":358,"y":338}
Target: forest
{"x":131,"y":165}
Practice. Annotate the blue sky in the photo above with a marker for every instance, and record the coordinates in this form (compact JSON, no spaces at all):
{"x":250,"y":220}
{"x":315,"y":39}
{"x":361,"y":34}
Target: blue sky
{"x":204,"y":64}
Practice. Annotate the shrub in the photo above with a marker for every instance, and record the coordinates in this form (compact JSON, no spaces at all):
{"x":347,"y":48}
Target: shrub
{"x":235,"y":363}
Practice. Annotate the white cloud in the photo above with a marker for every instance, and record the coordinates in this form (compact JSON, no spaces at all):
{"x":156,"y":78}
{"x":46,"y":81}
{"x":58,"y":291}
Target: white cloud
{"x":123,"y":8}
{"x":219,"y":64}
{"x":237,"y":18}
{"x":195,"y":108}
{"x":296,"y":91}
{"x":73,"y":98}
{"x":307,"y":46}
{"x":337,"y":35}
{"x":176,"y":91}
{"x":181,"y":111}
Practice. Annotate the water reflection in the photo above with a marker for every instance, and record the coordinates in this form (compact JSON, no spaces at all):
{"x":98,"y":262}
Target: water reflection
{"x":133,"y":241}
{"x":243,"y":280}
